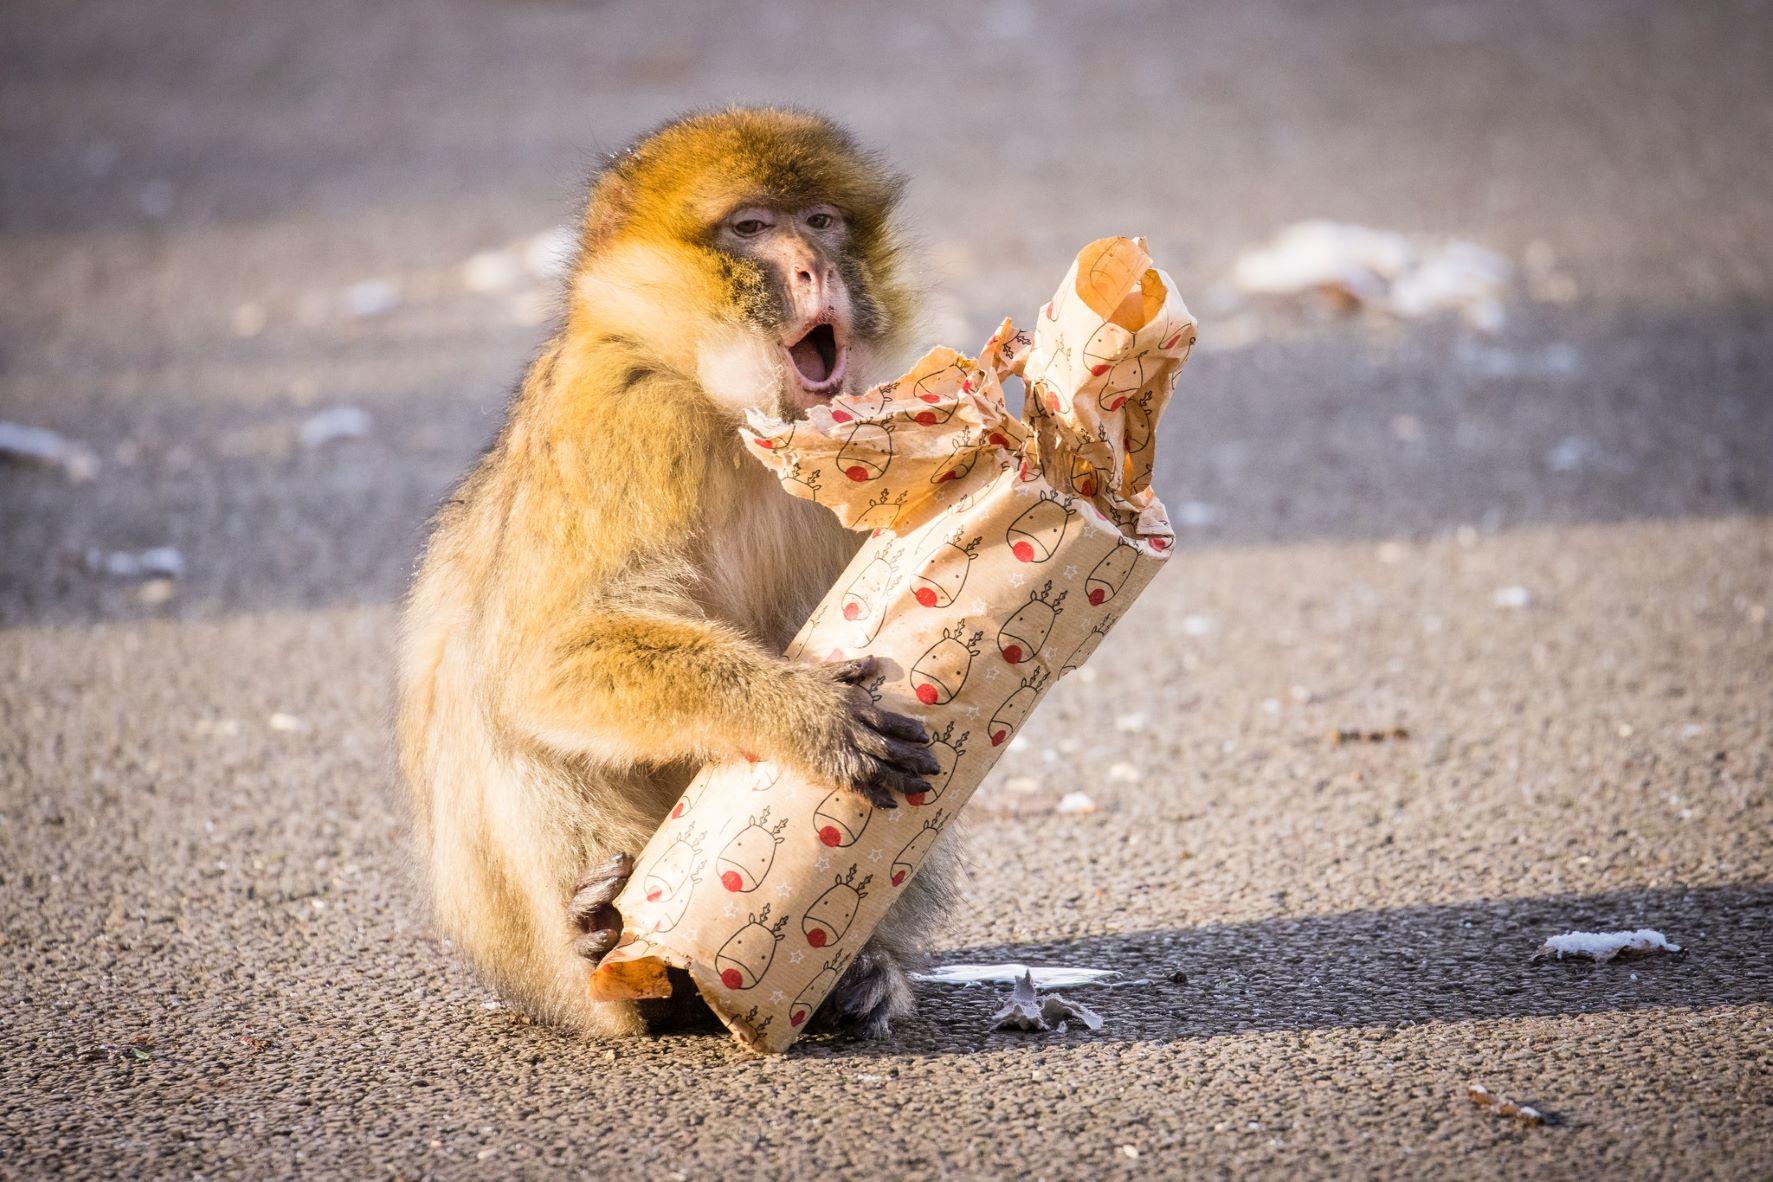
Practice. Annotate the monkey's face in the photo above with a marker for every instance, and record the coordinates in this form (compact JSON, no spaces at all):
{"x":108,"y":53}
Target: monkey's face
{"x":790,"y":276}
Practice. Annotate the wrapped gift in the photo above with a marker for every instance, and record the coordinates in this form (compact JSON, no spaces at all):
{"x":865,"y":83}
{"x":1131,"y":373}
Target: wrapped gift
{"x":1001,"y":551}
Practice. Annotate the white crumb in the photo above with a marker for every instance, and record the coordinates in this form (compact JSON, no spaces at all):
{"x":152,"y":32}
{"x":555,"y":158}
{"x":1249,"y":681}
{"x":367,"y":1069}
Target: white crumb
{"x":334,"y":424}
{"x":1136,"y":721}
{"x":287,"y":723}
{"x":20,"y":444}
{"x":1197,"y":625}
{"x":1075,"y":802}
{"x":1123,"y":773}
{"x":1604,"y":946}
{"x":1516,"y":596}
{"x":1027,"y":1010}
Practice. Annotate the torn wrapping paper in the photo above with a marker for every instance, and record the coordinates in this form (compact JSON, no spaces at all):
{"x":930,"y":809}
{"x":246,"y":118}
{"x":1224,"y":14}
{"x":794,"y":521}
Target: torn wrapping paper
{"x":1002,"y":551}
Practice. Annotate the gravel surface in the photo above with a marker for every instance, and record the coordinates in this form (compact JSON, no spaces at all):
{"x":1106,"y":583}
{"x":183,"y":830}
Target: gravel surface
{"x":1540,"y":562}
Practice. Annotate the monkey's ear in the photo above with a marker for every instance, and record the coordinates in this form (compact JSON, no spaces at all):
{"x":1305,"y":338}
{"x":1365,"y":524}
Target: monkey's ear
{"x":607,"y":211}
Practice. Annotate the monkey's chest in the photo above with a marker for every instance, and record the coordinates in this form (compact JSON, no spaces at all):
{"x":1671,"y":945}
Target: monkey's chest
{"x":765,"y":559}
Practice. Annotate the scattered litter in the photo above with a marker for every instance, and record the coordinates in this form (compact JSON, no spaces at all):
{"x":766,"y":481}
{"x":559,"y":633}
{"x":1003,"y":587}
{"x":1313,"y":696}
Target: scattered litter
{"x":1601,"y":947}
{"x":1570,"y":453}
{"x":334,"y":424}
{"x":1131,"y":1152}
{"x":255,"y":1042}
{"x":1196,"y":514}
{"x":372,"y":297}
{"x":550,"y":253}
{"x":1516,"y":596}
{"x":1123,"y":773}
{"x":138,"y":1049}
{"x":869,"y":1077}
{"x":1356,"y":735}
{"x":1692,"y":731}
{"x":40,"y":446}
{"x":492,"y":1005}
{"x":158,"y":562}
{"x":1027,"y":1010}
{"x":1484,"y":1098}
{"x":1009,"y":974}
{"x":287,"y":723}
{"x":492,"y":271}
{"x":1075,"y":802}
{"x":1195,"y":625}
{"x":1358,"y":266}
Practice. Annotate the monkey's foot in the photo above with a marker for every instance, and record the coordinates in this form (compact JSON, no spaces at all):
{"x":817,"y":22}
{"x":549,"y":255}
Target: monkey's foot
{"x":592,"y":908}
{"x":874,"y":992}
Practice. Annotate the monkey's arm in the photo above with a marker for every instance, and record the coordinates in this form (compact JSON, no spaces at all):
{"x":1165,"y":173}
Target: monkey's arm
{"x":652,"y":687}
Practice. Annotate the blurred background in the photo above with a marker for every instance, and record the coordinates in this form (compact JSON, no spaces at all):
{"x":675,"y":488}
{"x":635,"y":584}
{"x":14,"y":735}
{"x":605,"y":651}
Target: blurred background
{"x":1475,"y":454}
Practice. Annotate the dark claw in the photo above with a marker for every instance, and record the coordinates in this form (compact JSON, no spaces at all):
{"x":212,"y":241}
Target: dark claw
{"x":891,"y":779}
{"x":595,"y":945}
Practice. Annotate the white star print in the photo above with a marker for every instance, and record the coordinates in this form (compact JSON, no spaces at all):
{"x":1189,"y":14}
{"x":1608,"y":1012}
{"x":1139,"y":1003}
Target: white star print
{"x":777,"y":997}
{"x":796,"y":956}
{"x":874,"y":855}
{"x":1016,"y":579}
{"x":1071,"y":571}
{"x":993,"y":673}
{"x":731,"y":912}
{"x":782,"y":889}
{"x":895,"y":816}
{"x":972,"y":712}
{"x":824,"y":862}
{"x":977,"y":607}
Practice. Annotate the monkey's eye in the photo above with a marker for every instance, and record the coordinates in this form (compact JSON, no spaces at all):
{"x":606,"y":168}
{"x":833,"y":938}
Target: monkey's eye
{"x":750,"y":227}
{"x":821,"y":221}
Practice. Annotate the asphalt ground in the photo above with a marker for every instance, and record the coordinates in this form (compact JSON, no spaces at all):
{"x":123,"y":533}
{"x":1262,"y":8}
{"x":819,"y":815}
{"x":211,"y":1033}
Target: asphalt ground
{"x":1546,"y":554}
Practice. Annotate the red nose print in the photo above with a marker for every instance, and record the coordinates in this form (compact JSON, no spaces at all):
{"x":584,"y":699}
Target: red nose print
{"x":935,"y":398}
{"x":926,"y":694}
{"x":1053,"y":402}
{"x":1049,"y":310}
{"x":1160,"y":543}
{"x":1097,"y":595}
{"x":898,"y":877}
{"x":997,"y":737}
{"x":916,"y":797}
{"x":1171,"y":343}
{"x":652,"y":896}
{"x":1024,"y":551}
{"x":997,"y":439}
{"x":678,"y":811}
{"x":926,"y":418}
{"x":797,"y":1017}
{"x":851,"y":610}
{"x":1013,"y":653}
{"x":925,"y":596}
{"x":731,"y":880}
{"x":751,"y":756}
{"x":1097,"y":371}
{"x":731,"y":978}
{"x":830,"y":836}
{"x":766,"y":444}
{"x":817,"y":937}
{"x":856,"y":473}
{"x":1117,"y":404}
{"x":1087,"y":487}
{"x":840,"y":416}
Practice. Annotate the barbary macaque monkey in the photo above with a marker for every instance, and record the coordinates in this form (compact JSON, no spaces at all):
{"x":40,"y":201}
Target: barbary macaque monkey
{"x":604,"y":601}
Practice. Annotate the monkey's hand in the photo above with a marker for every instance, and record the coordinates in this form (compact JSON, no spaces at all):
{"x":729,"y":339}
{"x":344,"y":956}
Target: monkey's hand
{"x":592,"y":908}
{"x":849,"y":740}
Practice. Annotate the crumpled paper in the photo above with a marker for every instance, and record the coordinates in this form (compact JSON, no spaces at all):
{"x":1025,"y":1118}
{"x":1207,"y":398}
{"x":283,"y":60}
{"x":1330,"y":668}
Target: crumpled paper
{"x":1002,"y":551}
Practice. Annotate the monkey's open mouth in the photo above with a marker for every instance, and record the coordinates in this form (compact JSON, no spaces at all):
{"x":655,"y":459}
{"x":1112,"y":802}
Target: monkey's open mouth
{"x":818,"y":360}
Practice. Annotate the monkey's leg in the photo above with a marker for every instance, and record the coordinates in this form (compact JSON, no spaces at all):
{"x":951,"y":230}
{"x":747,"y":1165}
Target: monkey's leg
{"x":876,"y":989}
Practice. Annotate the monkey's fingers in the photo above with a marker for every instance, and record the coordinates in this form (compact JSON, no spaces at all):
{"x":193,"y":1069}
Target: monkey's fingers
{"x":594,"y":894}
{"x":888,"y":779}
{"x":856,"y":671}
{"x":896,"y":726}
{"x":912,"y":757}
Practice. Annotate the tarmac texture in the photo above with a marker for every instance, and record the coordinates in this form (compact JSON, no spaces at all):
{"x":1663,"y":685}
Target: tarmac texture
{"x":1538,"y":562}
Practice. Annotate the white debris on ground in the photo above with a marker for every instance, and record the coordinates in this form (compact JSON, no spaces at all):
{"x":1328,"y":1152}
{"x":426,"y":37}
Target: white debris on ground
{"x":1123,"y":772}
{"x":1484,"y":1098}
{"x":288,"y":724}
{"x":334,"y":424}
{"x":44,"y":448}
{"x":1358,"y":266}
{"x":1027,"y":1010}
{"x":372,"y":297}
{"x":1516,"y":596}
{"x":156,"y":562}
{"x":1197,"y":625}
{"x":1075,"y":802}
{"x":1601,"y":947}
{"x":1006,"y":974}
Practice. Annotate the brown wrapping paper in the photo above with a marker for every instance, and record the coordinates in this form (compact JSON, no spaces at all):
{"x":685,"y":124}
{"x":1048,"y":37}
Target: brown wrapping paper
{"x":1002,"y":551}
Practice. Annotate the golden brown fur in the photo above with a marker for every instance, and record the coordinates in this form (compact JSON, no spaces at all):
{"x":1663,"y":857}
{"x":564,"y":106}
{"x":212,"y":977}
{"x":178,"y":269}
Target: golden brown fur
{"x":604,"y":600}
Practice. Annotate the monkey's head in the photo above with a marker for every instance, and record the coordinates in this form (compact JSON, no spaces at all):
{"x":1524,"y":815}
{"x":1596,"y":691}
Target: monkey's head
{"x":752,"y":249}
